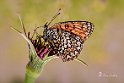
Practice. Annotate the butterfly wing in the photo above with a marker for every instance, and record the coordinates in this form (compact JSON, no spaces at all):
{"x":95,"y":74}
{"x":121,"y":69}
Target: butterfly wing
{"x":81,"y":28}
{"x":67,"y":38}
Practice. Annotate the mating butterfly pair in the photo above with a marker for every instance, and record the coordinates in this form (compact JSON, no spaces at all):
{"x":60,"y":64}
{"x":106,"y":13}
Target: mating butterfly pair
{"x":66,"y":38}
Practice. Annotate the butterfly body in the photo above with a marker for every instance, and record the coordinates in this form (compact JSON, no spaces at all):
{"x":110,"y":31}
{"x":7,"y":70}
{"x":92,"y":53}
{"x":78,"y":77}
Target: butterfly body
{"x":66,"y":38}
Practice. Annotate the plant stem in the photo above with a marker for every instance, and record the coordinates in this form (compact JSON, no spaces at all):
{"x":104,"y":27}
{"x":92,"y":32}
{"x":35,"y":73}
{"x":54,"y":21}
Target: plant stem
{"x":31,"y":72}
{"x":29,"y":78}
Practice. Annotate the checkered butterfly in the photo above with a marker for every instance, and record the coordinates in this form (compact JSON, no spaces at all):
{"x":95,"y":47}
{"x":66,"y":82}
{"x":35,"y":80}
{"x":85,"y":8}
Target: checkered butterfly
{"x":66,"y":38}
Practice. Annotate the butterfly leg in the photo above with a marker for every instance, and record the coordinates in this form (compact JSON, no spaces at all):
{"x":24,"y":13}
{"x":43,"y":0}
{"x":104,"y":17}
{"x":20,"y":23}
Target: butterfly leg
{"x":36,"y":33}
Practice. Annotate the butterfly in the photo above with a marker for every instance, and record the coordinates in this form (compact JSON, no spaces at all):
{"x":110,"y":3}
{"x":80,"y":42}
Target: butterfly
{"x":66,"y":39}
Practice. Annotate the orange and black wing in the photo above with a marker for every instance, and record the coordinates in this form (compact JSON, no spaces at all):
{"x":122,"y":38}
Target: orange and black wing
{"x":81,"y":28}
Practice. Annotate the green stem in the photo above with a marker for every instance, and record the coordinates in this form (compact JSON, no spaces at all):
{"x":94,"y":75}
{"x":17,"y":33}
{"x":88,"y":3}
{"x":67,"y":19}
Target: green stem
{"x":29,"y":78}
{"x":33,"y":70}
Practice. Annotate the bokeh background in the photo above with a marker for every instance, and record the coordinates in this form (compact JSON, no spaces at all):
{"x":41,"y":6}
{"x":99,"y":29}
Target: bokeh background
{"x":103,"y":51}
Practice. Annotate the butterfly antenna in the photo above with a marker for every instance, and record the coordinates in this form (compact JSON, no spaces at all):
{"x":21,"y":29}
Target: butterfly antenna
{"x":58,"y":12}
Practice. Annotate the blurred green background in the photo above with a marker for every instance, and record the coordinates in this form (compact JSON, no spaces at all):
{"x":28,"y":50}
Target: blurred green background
{"x":103,"y":51}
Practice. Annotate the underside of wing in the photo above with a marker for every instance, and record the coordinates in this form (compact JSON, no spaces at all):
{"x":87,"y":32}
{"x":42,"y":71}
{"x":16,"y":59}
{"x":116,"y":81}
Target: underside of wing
{"x":81,"y":28}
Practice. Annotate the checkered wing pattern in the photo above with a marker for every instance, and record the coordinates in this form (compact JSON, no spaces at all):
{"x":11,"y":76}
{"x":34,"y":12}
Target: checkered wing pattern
{"x":66,"y":38}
